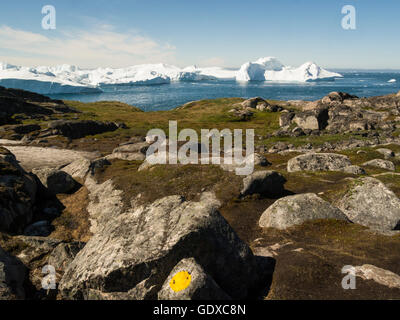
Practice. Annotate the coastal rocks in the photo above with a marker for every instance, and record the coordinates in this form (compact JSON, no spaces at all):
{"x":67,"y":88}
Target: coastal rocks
{"x":39,"y":229}
{"x":263,"y":183}
{"x":286,"y":119}
{"x":294,"y":210}
{"x":370,"y":203}
{"x":337,"y":97}
{"x":75,"y":129}
{"x":12,"y":276}
{"x":318,"y":162}
{"x":242,"y":114}
{"x":254,"y":102}
{"x":135,"y":252}
{"x":25,"y":128}
{"x":18,"y":191}
{"x":200,"y":286}
{"x":382,"y":164}
{"x":379,"y":275}
{"x":312,"y":120}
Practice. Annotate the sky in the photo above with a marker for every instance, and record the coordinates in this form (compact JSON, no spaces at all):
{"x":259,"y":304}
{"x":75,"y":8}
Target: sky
{"x":226,"y":33}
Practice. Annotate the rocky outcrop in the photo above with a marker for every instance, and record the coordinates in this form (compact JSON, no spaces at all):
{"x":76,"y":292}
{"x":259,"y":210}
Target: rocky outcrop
{"x":75,"y":129}
{"x":318,"y":162}
{"x":379,"y":275}
{"x":55,"y":181}
{"x":12,"y":277}
{"x":382,"y":164}
{"x":135,"y":252}
{"x":312,"y":120}
{"x":370,"y":203}
{"x":28,"y":105}
{"x":263,"y":183}
{"x":62,"y":256}
{"x":337,"y":97}
{"x":354,"y":170}
{"x":294,"y":210}
{"x":189,"y":281}
{"x":18,"y":191}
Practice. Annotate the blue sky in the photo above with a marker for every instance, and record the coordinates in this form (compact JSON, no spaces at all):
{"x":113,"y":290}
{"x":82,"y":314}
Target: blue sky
{"x":207,"y":32}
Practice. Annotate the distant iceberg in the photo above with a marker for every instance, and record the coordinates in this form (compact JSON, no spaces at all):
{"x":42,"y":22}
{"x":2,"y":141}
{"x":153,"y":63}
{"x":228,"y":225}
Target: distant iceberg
{"x":392,"y":80}
{"x":271,"y":69}
{"x":72,"y":79}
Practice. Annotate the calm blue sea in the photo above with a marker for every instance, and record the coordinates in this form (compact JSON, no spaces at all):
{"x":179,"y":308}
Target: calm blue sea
{"x":168,"y":96}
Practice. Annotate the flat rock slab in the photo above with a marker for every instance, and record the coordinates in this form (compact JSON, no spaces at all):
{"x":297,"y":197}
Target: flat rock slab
{"x":37,"y":157}
{"x":294,"y":210}
{"x":318,"y":162}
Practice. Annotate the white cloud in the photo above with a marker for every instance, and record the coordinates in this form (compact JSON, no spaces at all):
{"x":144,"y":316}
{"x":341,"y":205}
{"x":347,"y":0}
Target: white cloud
{"x":94,"y":48}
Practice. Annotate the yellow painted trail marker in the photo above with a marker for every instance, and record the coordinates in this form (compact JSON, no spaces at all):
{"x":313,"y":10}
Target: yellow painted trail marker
{"x":180,"y":281}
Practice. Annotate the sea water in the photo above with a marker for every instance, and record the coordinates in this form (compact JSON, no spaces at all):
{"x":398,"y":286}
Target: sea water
{"x":168,"y":96}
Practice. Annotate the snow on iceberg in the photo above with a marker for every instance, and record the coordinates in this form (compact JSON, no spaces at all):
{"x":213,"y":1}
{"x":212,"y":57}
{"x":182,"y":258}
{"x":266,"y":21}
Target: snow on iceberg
{"x":271,"y":69}
{"x":392,"y":80}
{"x":42,"y":80}
{"x":72,"y":79}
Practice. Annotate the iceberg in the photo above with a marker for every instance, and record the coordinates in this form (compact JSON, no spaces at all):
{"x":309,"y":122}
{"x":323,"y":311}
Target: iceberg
{"x":392,"y":80}
{"x":271,"y":69}
{"x":72,"y":79}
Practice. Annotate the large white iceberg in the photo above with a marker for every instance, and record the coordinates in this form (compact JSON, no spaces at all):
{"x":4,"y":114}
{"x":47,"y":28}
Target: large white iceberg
{"x":271,"y":69}
{"x":72,"y":79}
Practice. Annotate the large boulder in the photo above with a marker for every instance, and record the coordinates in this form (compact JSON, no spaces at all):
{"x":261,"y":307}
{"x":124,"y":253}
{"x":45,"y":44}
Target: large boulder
{"x":18,"y":190}
{"x":62,"y":256}
{"x":56,"y":181}
{"x":294,"y":210}
{"x":382,"y":164}
{"x":318,"y":162}
{"x":134,"y":253}
{"x":254,"y":102}
{"x":286,"y":119}
{"x":370,"y":203}
{"x":264,"y":183}
{"x":312,"y":120}
{"x":189,"y":281}
{"x":387,"y":153}
{"x":12,"y":277}
{"x":76,"y":129}
{"x":337,"y":97}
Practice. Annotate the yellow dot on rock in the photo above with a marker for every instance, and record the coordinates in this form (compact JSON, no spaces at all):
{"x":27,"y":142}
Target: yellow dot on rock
{"x":180,"y":281}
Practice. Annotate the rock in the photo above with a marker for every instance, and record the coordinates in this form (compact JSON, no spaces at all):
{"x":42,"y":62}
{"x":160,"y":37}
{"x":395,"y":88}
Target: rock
{"x":312,"y":120}
{"x":137,"y":156}
{"x":56,"y":181}
{"x":27,"y":105}
{"x":398,"y":94}
{"x":265,"y":106}
{"x":318,"y":162}
{"x":294,"y":210}
{"x":140,"y":147}
{"x":78,"y":169}
{"x":26,"y":128}
{"x":337,"y":97}
{"x":62,"y":256}
{"x":12,"y":277}
{"x":387,"y":153}
{"x":135,"y":252}
{"x":75,"y":129}
{"x":253,"y":103}
{"x":39,"y":229}
{"x":286,"y":119}
{"x":379,"y":275}
{"x":370,"y":203}
{"x":379,"y":163}
{"x":354,"y":170}
{"x":18,"y":191}
{"x":200,"y":285}
{"x":264,"y":183}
